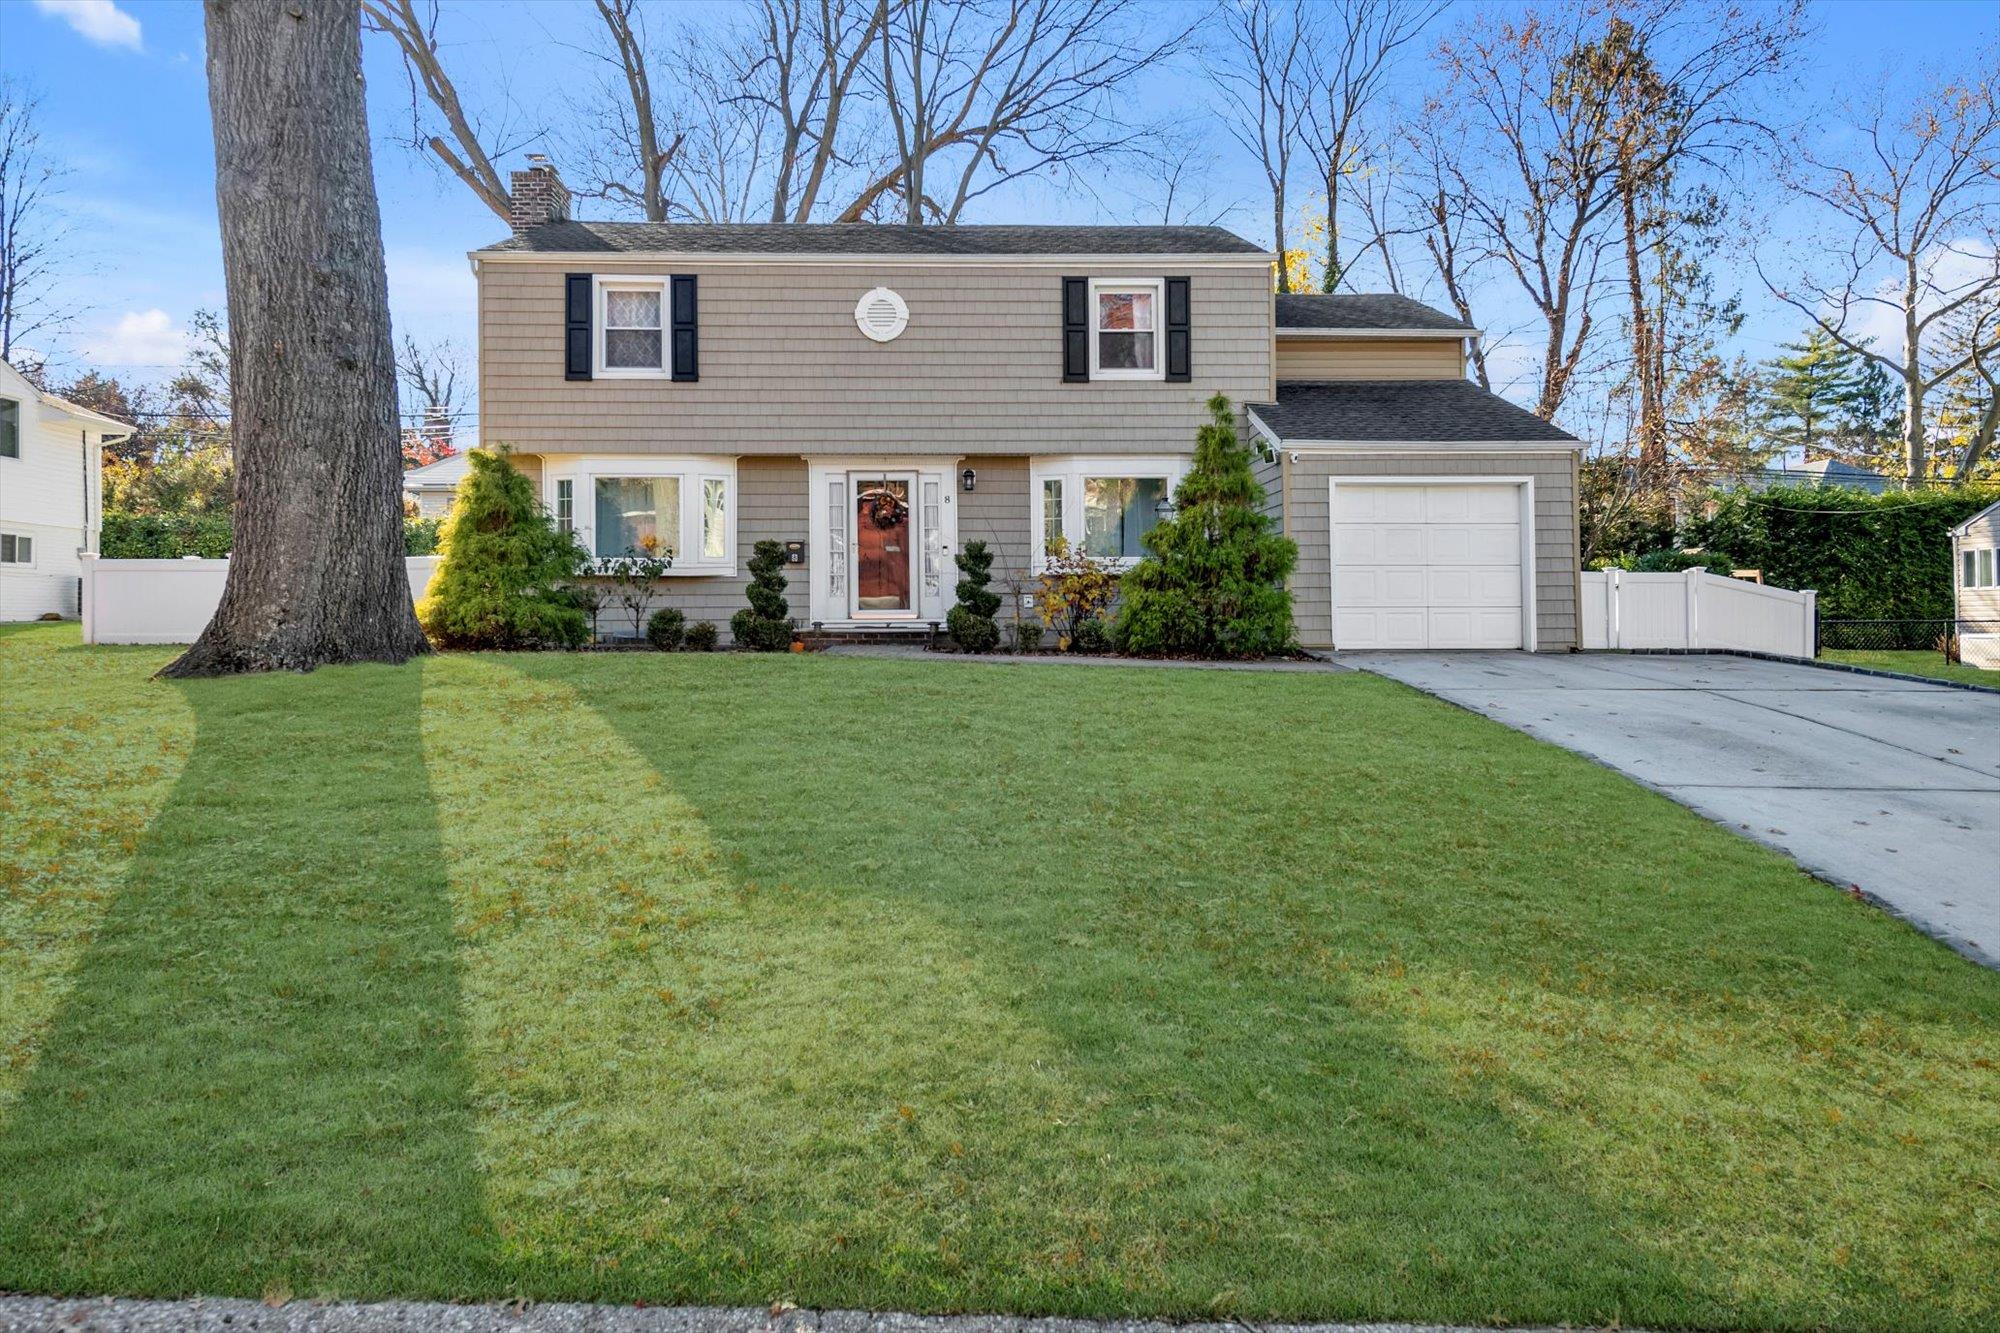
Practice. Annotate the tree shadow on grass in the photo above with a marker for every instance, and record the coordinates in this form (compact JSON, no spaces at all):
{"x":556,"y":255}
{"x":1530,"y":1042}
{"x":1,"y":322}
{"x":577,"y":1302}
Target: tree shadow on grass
{"x":255,"y":1085}
{"x":1239,"y":1129}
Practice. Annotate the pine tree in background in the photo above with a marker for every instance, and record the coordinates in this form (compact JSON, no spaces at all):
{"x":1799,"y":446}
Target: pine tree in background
{"x":504,"y":560}
{"x":766,"y":624}
{"x":1825,"y":400}
{"x":971,"y":621}
{"x":1213,"y":583}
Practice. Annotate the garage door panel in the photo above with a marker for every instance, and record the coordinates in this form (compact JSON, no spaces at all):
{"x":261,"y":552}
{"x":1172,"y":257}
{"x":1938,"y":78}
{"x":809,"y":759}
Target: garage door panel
{"x":1470,"y":585}
{"x":1379,"y":544}
{"x":1427,"y":566}
{"x":1406,"y":628}
{"x":1378,"y":586}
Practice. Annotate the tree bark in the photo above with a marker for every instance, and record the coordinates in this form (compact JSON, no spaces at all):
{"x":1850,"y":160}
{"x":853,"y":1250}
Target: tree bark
{"x":316,"y":574}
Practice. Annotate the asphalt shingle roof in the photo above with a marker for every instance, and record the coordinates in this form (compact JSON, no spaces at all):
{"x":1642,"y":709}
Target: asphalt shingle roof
{"x":869,"y":238}
{"x":1373,"y":310}
{"x":1401,"y":411}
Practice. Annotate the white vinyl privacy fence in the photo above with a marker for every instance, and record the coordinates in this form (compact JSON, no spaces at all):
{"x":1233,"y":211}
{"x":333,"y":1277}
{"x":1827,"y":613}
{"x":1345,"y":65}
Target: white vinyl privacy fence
{"x":1695,"y":610}
{"x":170,"y":601}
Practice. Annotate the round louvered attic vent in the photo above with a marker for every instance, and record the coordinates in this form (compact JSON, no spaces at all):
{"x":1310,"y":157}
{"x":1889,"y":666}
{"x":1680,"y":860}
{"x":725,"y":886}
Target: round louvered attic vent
{"x":881,"y":314}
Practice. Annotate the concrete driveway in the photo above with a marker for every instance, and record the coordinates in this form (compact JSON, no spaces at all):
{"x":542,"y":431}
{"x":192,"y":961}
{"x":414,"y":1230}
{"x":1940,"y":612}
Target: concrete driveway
{"x":1890,"y":786}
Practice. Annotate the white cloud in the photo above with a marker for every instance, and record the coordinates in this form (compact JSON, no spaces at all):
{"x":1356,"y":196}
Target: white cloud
{"x":145,"y":338}
{"x":100,"y":21}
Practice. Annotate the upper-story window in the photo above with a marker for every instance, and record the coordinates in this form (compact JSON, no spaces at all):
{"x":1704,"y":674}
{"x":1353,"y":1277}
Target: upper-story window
{"x":10,"y":428}
{"x":1125,"y":333}
{"x":630,"y":315}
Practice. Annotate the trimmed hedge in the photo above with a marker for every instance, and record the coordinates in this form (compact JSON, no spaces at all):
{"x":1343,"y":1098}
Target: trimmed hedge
{"x":1871,"y":557}
{"x":172,"y":536}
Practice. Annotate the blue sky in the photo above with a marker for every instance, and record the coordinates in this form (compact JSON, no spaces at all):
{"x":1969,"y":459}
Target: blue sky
{"x":124,"y":105}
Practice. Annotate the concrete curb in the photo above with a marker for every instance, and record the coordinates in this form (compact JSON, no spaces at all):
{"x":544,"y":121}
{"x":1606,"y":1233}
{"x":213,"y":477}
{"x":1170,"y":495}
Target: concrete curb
{"x":37,"y":1314}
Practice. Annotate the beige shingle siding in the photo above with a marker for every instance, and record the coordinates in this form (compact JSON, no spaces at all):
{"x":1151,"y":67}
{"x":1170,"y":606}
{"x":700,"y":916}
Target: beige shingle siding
{"x":1370,"y":359}
{"x":785,"y":371}
{"x":1555,"y":531}
{"x":999,"y":513}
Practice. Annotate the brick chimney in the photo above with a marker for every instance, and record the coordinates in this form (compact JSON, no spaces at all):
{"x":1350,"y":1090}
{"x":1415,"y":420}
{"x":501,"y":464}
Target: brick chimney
{"x":538,"y":196}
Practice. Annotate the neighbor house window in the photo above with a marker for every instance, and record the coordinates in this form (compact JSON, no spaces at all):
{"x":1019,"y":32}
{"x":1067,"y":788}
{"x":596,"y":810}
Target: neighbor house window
{"x":714,"y":518}
{"x":1125,"y":335}
{"x":10,"y":428}
{"x":1978,"y":570}
{"x":1118,"y":512}
{"x":1104,"y":506}
{"x":630,"y":315}
{"x":566,"y":505}
{"x":637,"y":514}
{"x":16,"y":550}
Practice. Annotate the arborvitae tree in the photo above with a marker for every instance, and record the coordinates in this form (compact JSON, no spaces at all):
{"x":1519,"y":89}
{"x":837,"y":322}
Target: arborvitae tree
{"x":766,"y":625}
{"x":971,"y":621}
{"x":1213,"y":581}
{"x":498,"y":585}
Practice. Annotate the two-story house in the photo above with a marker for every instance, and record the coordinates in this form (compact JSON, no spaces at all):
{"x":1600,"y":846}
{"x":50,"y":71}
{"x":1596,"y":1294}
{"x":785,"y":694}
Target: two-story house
{"x":875,"y":396}
{"x":51,"y":463}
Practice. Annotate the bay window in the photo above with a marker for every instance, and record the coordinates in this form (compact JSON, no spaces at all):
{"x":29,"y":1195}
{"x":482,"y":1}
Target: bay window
{"x":1125,"y":330}
{"x":1103,"y":506}
{"x":681,"y":508}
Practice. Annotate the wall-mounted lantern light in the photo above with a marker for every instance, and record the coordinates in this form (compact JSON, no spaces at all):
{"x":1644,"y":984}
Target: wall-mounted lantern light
{"x":967,"y":480}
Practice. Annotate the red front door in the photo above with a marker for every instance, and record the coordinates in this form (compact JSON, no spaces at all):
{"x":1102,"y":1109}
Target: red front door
{"x":882,"y":545}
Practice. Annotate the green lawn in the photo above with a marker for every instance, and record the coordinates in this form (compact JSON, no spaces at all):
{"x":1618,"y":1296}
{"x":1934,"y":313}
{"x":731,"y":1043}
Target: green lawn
{"x":852,"y":983}
{"x":1915,"y":662}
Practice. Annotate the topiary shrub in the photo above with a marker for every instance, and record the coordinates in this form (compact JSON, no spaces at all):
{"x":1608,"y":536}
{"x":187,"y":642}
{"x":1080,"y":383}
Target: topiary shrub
{"x":766,"y":626}
{"x":701,"y":637}
{"x":1213,"y":580}
{"x":1091,"y":636}
{"x":666,"y":628}
{"x":499,"y":583}
{"x":971,"y":621}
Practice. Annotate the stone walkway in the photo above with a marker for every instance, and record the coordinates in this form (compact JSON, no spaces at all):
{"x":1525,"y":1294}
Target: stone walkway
{"x":34,"y":1314}
{"x":894,"y":653}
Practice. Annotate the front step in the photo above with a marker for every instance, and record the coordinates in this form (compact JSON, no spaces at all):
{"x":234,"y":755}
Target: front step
{"x":900,"y":636}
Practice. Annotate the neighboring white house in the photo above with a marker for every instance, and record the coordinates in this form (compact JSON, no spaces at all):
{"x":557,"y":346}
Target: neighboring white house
{"x":51,"y":465}
{"x":1975,"y":563}
{"x":431,"y":486}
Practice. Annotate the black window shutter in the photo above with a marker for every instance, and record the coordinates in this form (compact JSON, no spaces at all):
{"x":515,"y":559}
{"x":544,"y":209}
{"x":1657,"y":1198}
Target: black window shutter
{"x":686,"y":359}
{"x":1076,"y":330}
{"x":1178,"y":368}
{"x":576,"y":326}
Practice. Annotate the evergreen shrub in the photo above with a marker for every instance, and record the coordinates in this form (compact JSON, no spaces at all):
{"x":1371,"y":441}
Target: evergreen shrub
{"x":765,"y":626}
{"x":499,"y":584}
{"x":971,"y":620}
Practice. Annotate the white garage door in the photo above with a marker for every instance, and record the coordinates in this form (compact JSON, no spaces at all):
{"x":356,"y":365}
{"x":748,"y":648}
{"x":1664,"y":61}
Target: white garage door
{"x":1426,"y":566}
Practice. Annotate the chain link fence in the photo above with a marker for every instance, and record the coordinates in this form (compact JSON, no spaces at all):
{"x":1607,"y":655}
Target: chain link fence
{"x":1874,"y":636}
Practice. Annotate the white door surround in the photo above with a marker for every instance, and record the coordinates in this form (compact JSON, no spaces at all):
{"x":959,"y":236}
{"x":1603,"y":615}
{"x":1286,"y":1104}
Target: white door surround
{"x":830,"y":550}
{"x":1432,"y":562}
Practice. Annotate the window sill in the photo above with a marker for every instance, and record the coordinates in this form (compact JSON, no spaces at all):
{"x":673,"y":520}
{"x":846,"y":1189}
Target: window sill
{"x":629,"y":373}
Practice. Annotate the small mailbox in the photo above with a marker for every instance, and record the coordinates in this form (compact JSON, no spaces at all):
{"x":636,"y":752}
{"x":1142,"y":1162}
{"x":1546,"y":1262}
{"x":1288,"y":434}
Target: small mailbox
{"x":795,"y":553}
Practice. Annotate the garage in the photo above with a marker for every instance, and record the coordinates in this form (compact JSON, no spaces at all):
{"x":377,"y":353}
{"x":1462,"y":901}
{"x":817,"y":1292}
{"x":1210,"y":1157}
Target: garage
{"x":1430,"y":564}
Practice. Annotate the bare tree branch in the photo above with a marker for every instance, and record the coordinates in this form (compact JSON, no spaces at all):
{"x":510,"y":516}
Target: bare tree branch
{"x":415,"y":35}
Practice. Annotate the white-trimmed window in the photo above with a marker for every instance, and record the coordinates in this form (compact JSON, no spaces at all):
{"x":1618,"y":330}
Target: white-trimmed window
{"x":1978,"y":569}
{"x":1104,"y":506}
{"x":681,"y":508}
{"x":566,"y":504}
{"x":10,"y":428}
{"x":16,"y":549}
{"x":1125,"y":322}
{"x":631,"y":326}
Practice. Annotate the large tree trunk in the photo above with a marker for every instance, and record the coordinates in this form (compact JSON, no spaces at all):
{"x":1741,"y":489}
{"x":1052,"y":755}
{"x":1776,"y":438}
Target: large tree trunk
{"x":316,"y":574}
